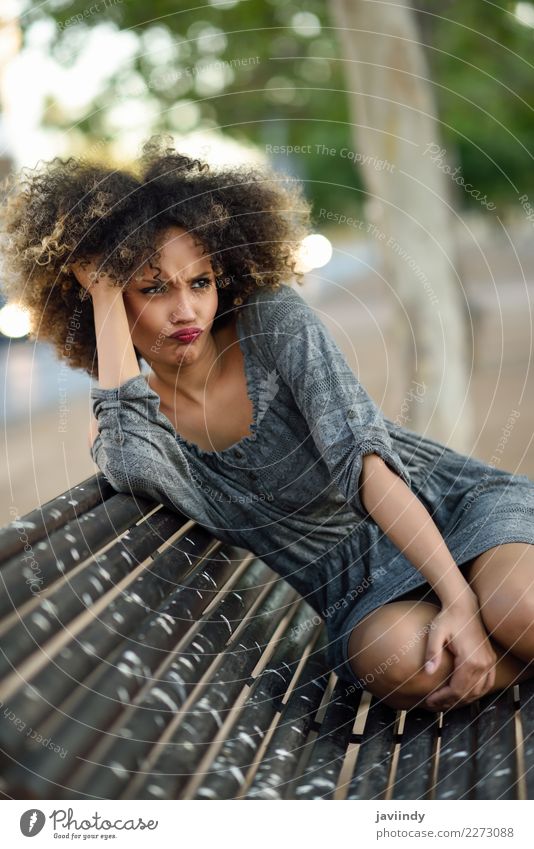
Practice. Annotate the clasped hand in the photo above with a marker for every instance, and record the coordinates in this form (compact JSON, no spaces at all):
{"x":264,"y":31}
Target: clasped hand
{"x":461,"y":630}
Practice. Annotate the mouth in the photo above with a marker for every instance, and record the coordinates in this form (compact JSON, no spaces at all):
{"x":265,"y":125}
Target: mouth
{"x":187,"y":335}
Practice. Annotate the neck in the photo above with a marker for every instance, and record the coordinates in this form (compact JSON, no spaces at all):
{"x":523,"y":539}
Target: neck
{"x":192,"y":380}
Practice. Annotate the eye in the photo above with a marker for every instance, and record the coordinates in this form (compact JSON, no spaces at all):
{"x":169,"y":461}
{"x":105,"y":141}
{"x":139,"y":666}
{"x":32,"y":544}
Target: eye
{"x":161,"y":288}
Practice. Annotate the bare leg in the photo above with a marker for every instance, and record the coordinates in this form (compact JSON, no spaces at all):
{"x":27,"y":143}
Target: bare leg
{"x":503,"y":580}
{"x":387,"y":649}
{"x":509,"y":670}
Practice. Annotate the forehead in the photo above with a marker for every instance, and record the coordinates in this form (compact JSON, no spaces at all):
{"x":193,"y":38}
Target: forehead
{"x":180,"y":252}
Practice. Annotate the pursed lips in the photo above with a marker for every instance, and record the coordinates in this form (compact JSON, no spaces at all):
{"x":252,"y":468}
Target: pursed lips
{"x":188,"y":333}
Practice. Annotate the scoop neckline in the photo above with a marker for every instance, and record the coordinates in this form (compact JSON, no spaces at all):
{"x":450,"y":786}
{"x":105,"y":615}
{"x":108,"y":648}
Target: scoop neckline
{"x":245,"y":440}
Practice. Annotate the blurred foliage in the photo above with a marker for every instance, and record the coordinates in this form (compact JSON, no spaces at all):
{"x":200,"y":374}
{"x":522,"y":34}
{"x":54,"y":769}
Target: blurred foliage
{"x":480,"y":61}
{"x":294,"y":92}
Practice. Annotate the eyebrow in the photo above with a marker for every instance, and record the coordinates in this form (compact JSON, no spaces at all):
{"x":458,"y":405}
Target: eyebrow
{"x":191,"y":279}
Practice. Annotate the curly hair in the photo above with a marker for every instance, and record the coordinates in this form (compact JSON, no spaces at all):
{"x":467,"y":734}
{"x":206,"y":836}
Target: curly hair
{"x":248,"y":220}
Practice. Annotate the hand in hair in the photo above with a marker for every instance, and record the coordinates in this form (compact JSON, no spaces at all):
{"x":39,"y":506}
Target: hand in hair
{"x":89,"y":276}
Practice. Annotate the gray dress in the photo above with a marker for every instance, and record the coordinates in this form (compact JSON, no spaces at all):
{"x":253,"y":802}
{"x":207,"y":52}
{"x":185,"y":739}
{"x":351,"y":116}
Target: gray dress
{"x":289,"y":491}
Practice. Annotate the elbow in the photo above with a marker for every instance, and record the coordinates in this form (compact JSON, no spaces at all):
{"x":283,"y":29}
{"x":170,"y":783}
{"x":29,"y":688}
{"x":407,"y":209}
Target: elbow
{"x":117,"y":481}
{"x":120,"y":471}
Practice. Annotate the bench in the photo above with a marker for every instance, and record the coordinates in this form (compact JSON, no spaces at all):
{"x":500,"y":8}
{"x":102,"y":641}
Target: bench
{"x":142,"y":658}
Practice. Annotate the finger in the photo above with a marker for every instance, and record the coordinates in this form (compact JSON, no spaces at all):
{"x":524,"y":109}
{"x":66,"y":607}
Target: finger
{"x":440,"y":697}
{"x":464,"y":683}
{"x":487,"y":684}
{"x":448,"y":702}
{"x":434,"y":650}
{"x":466,"y":680}
{"x":439,"y":708}
{"x":470,"y":682}
{"x":449,"y":695}
{"x":483,"y":686}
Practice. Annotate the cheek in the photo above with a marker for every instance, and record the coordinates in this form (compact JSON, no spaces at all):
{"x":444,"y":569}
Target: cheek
{"x":141,"y":332}
{"x":149,"y":326}
{"x":213,"y":301}
{"x":141,"y":316}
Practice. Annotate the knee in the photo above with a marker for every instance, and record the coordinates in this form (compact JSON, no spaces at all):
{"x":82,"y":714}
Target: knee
{"x":408,"y":684}
{"x":388,"y":654}
{"x":508,"y":615}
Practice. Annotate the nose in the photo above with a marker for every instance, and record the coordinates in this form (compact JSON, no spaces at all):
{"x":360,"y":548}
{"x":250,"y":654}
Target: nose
{"x":183,"y":308}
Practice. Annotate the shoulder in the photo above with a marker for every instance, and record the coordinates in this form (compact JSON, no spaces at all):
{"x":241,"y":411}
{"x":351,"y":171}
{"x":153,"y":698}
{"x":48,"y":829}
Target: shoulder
{"x":266,"y":306}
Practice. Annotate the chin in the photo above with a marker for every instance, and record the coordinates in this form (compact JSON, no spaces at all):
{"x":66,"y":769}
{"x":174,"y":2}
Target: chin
{"x":189,"y":353}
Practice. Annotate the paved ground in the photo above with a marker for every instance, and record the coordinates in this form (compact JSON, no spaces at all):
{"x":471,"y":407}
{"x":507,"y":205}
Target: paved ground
{"x":39,"y":460}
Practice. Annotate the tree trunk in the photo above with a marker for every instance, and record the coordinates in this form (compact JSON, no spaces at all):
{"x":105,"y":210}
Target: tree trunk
{"x":395,"y":134}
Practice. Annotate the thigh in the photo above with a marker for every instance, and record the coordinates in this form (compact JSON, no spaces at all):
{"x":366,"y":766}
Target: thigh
{"x":510,"y":565}
{"x":503,"y":579}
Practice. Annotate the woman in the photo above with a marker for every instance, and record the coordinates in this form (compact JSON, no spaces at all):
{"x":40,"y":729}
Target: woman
{"x":251,"y":422}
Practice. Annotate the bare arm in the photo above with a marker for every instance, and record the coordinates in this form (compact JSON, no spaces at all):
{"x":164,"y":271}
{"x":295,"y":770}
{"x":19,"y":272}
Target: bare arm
{"x":112,"y":333}
{"x":117,"y":361}
{"x":407,"y":523}
{"x":458,"y":626}
{"x":116,"y":354}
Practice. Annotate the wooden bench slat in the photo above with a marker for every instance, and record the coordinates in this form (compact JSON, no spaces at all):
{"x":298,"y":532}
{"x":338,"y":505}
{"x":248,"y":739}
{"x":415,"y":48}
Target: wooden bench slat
{"x":414,"y":772}
{"x":321,"y":776}
{"x":45,"y":692}
{"x":189,"y":741}
{"x":142,"y":722}
{"x":281,"y":757}
{"x":66,"y":548}
{"x":246,"y":734}
{"x":526,"y":698}
{"x":42,"y":521}
{"x":456,"y":762}
{"x":495,"y":758}
{"x":59,"y":607}
{"x":373,"y":763}
{"x":101,"y":698}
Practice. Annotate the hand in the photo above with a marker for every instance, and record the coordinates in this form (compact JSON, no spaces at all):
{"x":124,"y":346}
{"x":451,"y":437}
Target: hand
{"x":88,"y":276}
{"x":460,"y":628}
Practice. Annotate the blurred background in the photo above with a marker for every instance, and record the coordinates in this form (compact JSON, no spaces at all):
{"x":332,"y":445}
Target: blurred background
{"x":412,"y":132}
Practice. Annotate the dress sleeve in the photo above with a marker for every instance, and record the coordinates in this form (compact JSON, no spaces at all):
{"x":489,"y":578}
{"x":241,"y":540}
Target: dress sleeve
{"x":344,"y":421}
{"x":137,"y":450}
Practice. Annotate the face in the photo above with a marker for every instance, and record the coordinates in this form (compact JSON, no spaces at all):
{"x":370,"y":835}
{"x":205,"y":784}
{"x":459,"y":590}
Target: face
{"x":183,"y":296}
